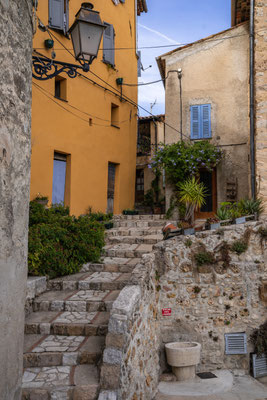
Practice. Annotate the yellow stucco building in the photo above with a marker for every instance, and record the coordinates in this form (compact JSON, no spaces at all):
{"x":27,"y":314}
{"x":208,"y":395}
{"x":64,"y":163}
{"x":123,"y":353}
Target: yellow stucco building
{"x":83,"y":130}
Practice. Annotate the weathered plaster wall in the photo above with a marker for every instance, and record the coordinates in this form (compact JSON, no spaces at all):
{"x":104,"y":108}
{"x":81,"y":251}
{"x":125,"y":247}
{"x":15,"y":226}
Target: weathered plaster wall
{"x":210,"y":300}
{"x":261,"y":97}
{"x":130,"y":368}
{"x":215,"y":72}
{"x":15,"y":108}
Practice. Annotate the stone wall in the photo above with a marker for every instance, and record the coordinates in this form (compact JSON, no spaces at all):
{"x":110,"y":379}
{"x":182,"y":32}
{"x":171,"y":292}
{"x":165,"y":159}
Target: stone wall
{"x":130,"y":368}
{"x":226,"y":295}
{"x":15,"y":126}
{"x":209,"y":300}
{"x":261,"y":97}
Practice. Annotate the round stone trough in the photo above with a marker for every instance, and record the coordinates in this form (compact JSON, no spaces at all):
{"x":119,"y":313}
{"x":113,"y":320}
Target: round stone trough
{"x":183,"y":358}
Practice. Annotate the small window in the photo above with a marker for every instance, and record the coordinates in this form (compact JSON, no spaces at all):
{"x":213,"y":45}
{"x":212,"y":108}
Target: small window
{"x":201,"y":121}
{"x":115,"y":116}
{"x":109,"y":44}
{"x":61,"y":88}
{"x":59,"y":178}
{"x":59,"y":15}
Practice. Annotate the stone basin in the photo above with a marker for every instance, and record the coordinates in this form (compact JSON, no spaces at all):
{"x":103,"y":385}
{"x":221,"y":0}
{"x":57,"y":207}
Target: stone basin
{"x":183,"y":358}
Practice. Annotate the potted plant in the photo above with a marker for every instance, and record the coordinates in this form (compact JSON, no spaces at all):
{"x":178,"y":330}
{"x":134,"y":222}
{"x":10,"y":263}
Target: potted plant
{"x":41,"y":199}
{"x":192,"y":194}
{"x":129,"y":211}
{"x":259,"y":357}
{"x":213,"y":223}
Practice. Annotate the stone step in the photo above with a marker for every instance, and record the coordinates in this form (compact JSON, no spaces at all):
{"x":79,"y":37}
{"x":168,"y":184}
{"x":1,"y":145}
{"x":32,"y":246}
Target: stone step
{"x":62,"y":382}
{"x":140,"y":217}
{"x":67,"y":323}
{"x":81,"y":300}
{"x":141,"y":224}
{"x":113,"y":264}
{"x":52,"y":350}
{"x":149,"y":239}
{"x":100,"y":281}
{"x":127,"y":250}
{"x":133,"y":232}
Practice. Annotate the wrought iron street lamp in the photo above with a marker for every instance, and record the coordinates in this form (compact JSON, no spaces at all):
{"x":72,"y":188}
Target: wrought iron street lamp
{"x":86,"y":34}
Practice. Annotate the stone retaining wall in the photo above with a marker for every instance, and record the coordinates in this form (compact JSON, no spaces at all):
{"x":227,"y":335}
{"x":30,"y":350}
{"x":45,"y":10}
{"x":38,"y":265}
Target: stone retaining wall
{"x":131,"y":359}
{"x":209,"y":300}
{"x":227,"y":295}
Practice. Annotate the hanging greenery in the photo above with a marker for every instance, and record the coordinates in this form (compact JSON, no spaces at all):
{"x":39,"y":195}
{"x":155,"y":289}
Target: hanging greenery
{"x":183,"y":159}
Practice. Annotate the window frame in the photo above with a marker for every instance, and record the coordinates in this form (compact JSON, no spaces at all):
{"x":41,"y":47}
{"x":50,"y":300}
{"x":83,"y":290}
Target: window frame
{"x":201,"y":120}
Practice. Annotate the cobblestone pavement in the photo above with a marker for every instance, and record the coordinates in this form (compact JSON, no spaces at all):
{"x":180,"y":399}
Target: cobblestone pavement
{"x":65,"y":335}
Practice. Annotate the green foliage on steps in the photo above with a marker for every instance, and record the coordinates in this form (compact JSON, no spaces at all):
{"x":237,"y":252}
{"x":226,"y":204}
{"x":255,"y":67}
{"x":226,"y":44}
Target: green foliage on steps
{"x":60,"y":244}
{"x":239,"y":246}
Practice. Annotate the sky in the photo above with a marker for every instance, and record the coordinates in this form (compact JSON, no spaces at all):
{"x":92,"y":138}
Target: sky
{"x":170,"y":22}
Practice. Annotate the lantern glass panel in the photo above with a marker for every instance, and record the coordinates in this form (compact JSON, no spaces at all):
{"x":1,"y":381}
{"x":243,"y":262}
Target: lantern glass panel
{"x":90,"y":39}
{"x":75,"y":36}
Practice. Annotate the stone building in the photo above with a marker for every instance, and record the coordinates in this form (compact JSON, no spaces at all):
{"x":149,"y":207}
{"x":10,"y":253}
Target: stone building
{"x":15,"y":128}
{"x":260,"y":109}
{"x":215,"y":107}
{"x":151,"y":132}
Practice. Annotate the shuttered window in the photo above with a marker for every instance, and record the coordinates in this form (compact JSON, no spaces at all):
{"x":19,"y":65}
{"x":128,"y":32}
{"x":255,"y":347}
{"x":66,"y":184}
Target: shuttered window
{"x":108,"y":44}
{"x":200,"y":121}
{"x":59,"y":15}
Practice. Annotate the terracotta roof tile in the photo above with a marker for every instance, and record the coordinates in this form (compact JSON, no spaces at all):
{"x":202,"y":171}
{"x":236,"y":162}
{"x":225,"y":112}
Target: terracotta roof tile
{"x":141,"y":6}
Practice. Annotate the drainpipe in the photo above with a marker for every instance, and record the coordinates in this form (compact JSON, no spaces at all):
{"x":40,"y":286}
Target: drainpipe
{"x":252,"y":99}
{"x":181,"y":103}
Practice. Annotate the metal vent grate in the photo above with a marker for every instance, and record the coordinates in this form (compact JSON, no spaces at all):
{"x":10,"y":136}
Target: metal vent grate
{"x":259,"y":366}
{"x":235,"y":343}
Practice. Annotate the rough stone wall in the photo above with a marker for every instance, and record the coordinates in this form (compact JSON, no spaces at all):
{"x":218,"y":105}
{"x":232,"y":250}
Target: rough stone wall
{"x":130,"y":368}
{"x":15,"y":109}
{"x":261,"y":97}
{"x":210,"y":300}
{"x":242,"y":12}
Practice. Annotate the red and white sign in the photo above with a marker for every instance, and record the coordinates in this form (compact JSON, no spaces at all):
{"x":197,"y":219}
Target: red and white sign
{"x":166,"y":312}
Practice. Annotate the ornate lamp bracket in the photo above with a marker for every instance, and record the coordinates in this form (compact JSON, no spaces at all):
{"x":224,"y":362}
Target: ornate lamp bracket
{"x":45,"y":68}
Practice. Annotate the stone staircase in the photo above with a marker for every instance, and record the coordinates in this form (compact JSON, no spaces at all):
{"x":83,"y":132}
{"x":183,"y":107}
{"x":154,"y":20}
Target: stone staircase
{"x":65,"y":333}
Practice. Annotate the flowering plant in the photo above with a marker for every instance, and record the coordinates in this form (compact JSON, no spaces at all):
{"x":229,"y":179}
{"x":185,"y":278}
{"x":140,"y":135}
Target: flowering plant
{"x":183,"y":159}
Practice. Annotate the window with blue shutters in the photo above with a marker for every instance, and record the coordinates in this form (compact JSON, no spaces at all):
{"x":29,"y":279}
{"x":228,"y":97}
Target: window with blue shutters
{"x":200,"y":121}
{"x":59,"y":15}
{"x":108,"y":44}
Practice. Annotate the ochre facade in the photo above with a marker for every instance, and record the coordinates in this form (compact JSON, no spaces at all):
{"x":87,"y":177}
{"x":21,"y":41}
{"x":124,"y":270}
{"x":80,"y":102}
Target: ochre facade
{"x":90,"y":125}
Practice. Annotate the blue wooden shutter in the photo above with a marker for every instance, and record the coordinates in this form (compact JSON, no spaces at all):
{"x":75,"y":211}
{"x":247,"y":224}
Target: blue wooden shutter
{"x":139,"y":64}
{"x":108,"y":45}
{"x":206,"y":125}
{"x":195,"y":122}
{"x":56,"y":14}
{"x":59,"y":181}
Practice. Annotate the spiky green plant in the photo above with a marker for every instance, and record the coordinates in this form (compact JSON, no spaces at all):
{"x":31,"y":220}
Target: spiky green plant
{"x":192,"y":194}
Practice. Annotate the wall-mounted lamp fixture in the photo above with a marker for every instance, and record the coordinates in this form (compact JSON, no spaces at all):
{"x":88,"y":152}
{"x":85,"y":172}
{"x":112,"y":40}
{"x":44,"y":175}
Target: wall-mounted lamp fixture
{"x":86,"y":34}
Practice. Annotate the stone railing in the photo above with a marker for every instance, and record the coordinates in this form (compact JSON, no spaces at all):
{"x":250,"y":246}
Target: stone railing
{"x":36,"y":285}
{"x":130,"y":367}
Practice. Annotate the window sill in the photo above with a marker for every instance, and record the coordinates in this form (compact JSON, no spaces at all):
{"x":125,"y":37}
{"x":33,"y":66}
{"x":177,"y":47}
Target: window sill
{"x":200,"y":139}
{"x":115,"y":126}
{"x":59,"y":98}
{"x":111,"y":66}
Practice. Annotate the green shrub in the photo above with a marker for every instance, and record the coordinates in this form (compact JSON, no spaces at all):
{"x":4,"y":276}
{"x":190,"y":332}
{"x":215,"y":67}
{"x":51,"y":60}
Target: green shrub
{"x":204,"y":258}
{"x":239,"y":247}
{"x":259,"y":339}
{"x":60,"y":244}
